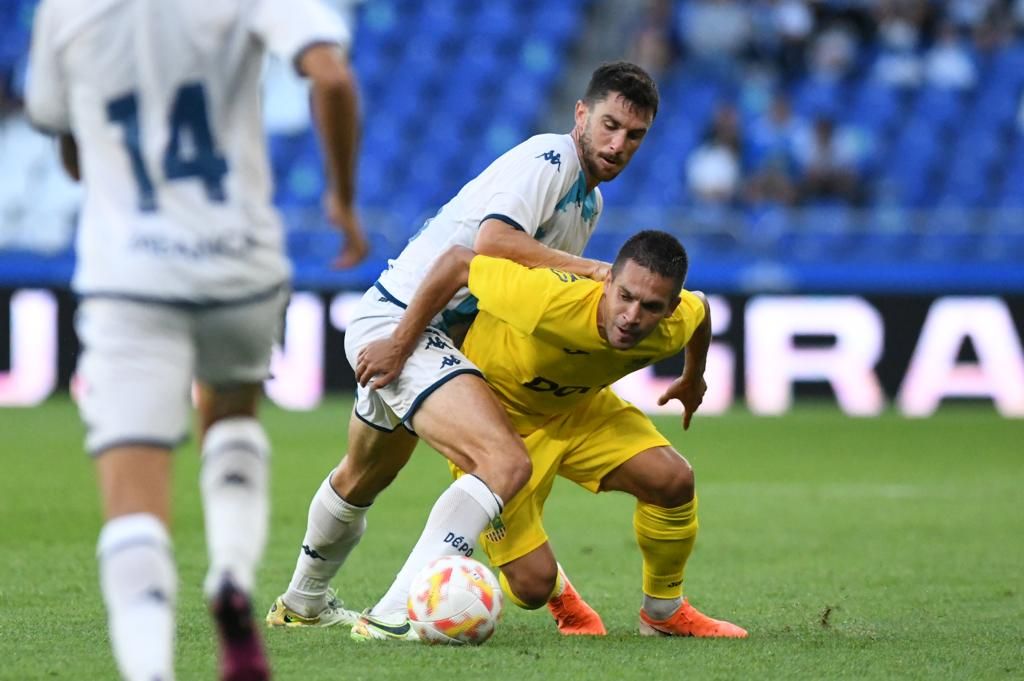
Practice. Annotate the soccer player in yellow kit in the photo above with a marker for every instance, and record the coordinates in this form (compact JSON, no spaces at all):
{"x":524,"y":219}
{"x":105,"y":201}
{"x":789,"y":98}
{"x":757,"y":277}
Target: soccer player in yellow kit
{"x":550,"y":344}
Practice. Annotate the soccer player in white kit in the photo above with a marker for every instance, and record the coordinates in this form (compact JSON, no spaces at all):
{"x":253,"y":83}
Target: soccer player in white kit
{"x":537,"y":204}
{"x":182,"y":275}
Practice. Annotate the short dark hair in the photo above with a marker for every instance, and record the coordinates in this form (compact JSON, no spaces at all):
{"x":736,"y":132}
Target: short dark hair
{"x":629,"y":80}
{"x":657,"y":251}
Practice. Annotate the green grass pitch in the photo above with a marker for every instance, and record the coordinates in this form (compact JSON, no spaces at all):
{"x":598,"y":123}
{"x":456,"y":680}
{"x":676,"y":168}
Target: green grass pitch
{"x":850,"y":548}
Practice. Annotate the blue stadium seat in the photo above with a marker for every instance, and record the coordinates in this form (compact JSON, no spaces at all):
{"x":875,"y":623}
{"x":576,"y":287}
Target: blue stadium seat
{"x":814,"y":98}
{"x":819,"y":234}
{"x":541,"y":59}
{"x":942,"y":106}
{"x":503,"y":133}
{"x":1004,"y":239}
{"x":1007,"y":67}
{"x":887,"y":246}
{"x":877,"y":106}
{"x":378,"y":18}
{"x":557,"y":22}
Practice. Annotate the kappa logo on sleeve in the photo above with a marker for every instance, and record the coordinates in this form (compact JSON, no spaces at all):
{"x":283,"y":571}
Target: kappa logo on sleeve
{"x":553,"y":158}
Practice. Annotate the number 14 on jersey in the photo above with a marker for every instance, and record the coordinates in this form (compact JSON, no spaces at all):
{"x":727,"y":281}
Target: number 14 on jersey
{"x":191,"y":150}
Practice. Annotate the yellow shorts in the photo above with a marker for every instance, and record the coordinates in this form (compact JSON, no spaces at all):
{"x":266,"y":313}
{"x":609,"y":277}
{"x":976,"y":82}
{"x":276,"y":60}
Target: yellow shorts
{"x":584,"y":446}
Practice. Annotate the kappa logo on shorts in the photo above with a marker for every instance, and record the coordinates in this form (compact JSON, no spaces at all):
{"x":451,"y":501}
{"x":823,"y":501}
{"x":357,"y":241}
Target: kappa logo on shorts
{"x":438,"y":343}
{"x":450,"y":361}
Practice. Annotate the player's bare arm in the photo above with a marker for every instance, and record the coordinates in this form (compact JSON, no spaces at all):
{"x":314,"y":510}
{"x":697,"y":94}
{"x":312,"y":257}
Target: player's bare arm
{"x":500,"y":240}
{"x":335,"y":97}
{"x":690,"y":387}
{"x":382,"y":360}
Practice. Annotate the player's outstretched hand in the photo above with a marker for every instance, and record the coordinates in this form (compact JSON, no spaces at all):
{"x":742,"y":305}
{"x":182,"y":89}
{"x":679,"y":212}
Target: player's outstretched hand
{"x":380,"y":362}
{"x":688,"y":391}
{"x":355,"y":247}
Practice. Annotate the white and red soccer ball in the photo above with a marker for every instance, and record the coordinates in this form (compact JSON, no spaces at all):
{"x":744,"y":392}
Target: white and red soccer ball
{"x":455,"y":600}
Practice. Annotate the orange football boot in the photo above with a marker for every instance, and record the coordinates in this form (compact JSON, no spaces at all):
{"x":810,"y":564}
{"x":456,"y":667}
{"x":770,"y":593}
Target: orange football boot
{"x":688,"y":621}
{"x":573,"y":616}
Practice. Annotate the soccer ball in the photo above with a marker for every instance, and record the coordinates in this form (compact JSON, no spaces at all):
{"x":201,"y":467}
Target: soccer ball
{"x":455,"y":600}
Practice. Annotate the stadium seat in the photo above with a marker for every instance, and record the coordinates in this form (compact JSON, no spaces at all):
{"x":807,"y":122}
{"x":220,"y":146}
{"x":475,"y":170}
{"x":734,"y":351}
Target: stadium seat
{"x":941,"y":106}
{"x":878,"y":107}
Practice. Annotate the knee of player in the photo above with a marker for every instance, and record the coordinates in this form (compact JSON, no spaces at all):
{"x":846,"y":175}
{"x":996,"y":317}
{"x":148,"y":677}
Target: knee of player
{"x":676,"y":487}
{"x":508,"y":469}
{"x":217,"y":404}
{"x":520,"y":468}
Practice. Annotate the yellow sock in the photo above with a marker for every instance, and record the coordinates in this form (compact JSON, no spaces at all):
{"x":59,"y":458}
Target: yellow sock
{"x":666,"y":537}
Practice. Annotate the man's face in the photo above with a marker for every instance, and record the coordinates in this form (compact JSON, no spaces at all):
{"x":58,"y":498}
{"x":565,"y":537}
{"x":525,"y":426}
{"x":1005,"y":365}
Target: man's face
{"x":633,"y":303}
{"x":609,"y":134}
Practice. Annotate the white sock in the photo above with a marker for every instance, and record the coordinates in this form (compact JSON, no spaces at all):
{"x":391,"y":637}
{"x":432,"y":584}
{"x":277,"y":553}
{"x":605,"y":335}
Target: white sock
{"x":456,"y":520}
{"x":139,"y":585}
{"x":661,"y":609}
{"x":333,"y":529}
{"x":234,"y":481}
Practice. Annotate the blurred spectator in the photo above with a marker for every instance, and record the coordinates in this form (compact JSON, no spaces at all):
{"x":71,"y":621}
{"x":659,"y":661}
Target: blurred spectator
{"x":1017,"y":11}
{"x":833,"y":53}
{"x":768,"y":151}
{"x":715,"y":34}
{"x":948,"y":63}
{"x":713,"y":168}
{"x":828,"y":162}
{"x":654,"y":44}
{"x":991,"y":33}
{"x":770,"y":137}
{"x":899,"y":31}
{"x":38,"y":201}
{"x":968,"y":12}
{"x":771,"y":185}
{"x":794,"y":23}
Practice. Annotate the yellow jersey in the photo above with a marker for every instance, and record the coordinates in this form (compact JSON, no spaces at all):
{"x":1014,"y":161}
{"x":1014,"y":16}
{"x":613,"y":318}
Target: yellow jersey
{"x":536,"y":339}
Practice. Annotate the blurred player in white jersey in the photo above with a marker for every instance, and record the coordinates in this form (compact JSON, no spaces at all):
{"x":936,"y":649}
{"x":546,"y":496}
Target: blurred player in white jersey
{"x":537,"y":204}
{"x":182,"y":275}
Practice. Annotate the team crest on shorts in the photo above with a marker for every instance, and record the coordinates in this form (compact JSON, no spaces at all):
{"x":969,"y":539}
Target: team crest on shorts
{"x":497,"y":531}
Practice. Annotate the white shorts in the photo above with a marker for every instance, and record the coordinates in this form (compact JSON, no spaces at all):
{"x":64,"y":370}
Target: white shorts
{"x":434,"y":362}
{"x":138,"y":360}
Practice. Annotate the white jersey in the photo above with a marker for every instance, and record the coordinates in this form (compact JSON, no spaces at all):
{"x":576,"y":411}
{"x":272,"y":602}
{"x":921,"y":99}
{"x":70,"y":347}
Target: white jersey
{"x":163,"y":98}
{"x":537,"y":186}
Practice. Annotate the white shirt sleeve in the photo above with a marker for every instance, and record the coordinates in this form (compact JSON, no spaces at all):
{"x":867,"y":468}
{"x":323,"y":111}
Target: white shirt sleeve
{"x":532,"y":189}
{"x":289,"y":27}
{"x":46,"y":98}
